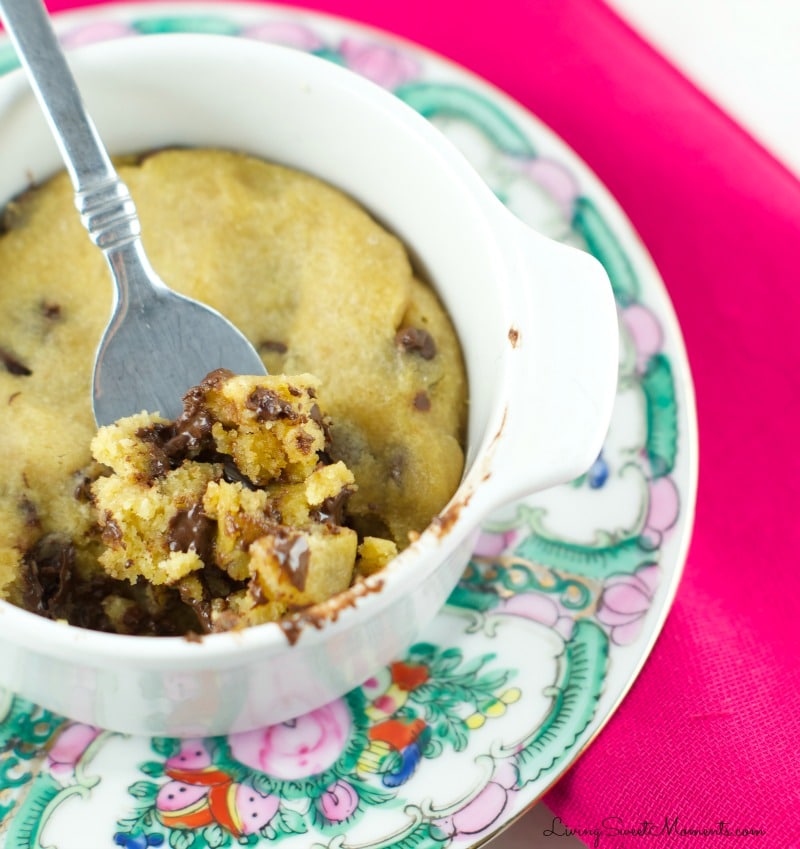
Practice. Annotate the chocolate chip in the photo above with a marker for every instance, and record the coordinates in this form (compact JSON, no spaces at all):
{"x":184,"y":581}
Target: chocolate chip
{"x":13,"y":365}
{"x":416,"y":340}
{"x":82,"y":491}
{"x":315,"y":414}
{"x":422,"y":402}
{"x":269,"y":406}
{"x":272,"y":346}
{"x":51,"y":310}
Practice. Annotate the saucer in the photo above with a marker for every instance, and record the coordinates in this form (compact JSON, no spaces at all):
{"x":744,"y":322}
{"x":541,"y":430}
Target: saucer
{"x":548,"y":627}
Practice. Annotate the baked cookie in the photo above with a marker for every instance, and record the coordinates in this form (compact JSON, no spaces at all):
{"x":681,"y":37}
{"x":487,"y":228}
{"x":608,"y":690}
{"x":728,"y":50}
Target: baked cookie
{"x":314,"y":282}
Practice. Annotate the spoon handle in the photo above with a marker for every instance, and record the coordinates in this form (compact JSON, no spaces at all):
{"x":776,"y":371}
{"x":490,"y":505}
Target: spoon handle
{"x":103,"y":200}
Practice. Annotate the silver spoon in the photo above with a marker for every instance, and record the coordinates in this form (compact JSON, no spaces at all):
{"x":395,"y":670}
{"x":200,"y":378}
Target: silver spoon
{"x":158,"y":343}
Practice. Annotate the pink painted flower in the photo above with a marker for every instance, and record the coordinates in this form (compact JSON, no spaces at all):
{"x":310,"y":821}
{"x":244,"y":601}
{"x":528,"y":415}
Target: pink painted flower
{"x":288,"y":33}
{"x":176,"y":796}
{"x":538,"y":608}
{"x":100,"y":31}
{"x":192,"y":754}
{"x":663,"y":508}
{"x":255,"y":809}
{"x":559,"y":183}
{"x":485,"y":809}
{"x":625,"y":601}
{"x":338,"y":802}
{"x":493,"y":544}
{"x":70,"y":746}
{"x":298,"y":748}
{"x":381,"y":64}
{"x":645,"y":331}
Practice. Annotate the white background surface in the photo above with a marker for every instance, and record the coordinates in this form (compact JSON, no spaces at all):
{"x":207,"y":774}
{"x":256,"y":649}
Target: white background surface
{"x":745,"y":54}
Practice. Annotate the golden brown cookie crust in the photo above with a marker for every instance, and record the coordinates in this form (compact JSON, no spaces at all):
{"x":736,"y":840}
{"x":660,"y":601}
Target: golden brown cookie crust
{"x":306,"y":274}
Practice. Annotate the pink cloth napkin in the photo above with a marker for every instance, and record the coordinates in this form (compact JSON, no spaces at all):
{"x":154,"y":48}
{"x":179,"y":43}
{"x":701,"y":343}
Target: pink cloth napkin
{"x":711,"y":730}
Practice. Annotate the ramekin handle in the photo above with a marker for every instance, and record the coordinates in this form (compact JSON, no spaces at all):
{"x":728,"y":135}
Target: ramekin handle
{"x":564,"y":368}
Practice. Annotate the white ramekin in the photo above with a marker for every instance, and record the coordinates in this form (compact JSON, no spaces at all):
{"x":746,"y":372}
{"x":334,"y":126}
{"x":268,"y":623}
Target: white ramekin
{"x":536,"y":320}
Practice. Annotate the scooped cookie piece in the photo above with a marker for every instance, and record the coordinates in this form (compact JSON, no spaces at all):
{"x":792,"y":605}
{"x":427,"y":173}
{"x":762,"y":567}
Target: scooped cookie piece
{"x":235,"y":503}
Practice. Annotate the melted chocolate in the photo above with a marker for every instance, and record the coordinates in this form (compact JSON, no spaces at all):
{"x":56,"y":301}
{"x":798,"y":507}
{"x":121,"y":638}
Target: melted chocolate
{"x":191,"y":431}
{"x":269,"y":406}
{"x":231,"y":473}
{"x":51,"y":588}
{"x":85,"y":477}
{"x":189,"y":436}
{"x":216,"y":585}
{"x":157,"y":436}
{"x":48,"y":574}
{"x":193,"y":530}
{"x":331,"y":510}
{"x":324,"y":458}
{"x":293,"y":554}
{"x":417,"y":341}
{"x":201,"y":609}
{"x":315,"y":414}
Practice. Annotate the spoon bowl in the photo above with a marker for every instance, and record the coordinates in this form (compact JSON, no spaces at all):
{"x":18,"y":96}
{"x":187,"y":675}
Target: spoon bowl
{"x":152,"y":352}
{"x":158,"y":343}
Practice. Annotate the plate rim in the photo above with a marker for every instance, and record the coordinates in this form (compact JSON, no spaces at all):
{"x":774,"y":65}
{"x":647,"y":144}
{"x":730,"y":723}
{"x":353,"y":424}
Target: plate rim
{"x":534,"y":126}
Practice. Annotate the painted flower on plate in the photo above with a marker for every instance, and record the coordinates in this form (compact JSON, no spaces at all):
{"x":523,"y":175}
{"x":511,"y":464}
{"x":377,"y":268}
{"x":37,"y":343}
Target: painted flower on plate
{"x":379,"y":63}
{"x":625,"y":601}
{"x":297,"y":748}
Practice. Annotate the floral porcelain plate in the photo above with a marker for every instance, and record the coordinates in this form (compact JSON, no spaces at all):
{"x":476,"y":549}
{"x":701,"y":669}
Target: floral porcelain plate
{"x":541,"y":639}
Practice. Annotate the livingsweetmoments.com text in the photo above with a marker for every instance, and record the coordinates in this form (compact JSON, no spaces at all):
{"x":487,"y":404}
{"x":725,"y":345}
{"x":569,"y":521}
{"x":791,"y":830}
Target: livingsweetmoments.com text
{"x":668,"y":826}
